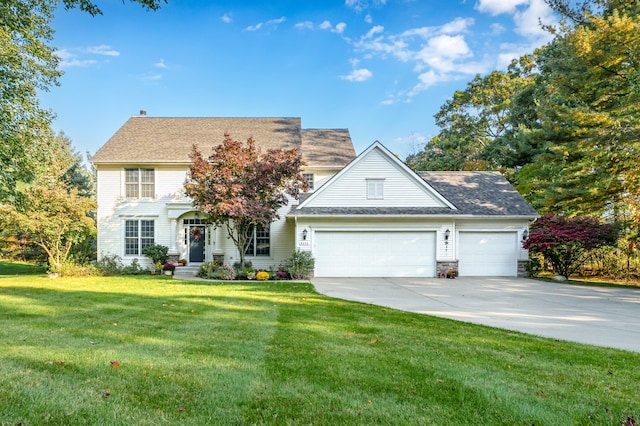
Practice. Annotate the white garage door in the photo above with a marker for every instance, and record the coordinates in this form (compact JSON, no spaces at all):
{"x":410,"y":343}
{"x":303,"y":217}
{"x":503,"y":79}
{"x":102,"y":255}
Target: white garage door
{"x":374,"y":254}
{"x":488,"y":254}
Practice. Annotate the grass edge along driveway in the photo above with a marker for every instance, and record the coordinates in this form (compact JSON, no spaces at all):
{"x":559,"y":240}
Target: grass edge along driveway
{"x":149,"y":350}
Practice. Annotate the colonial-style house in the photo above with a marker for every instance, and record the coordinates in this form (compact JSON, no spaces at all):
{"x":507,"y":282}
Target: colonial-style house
{"x":365,"y":215}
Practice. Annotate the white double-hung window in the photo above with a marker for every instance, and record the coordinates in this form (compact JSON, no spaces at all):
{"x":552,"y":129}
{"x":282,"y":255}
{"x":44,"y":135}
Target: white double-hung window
{"x":138,"y":234}
{"x":139,"y":183}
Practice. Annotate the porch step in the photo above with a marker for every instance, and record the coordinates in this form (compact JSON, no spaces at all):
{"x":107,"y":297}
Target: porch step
{"x":189,"y":270}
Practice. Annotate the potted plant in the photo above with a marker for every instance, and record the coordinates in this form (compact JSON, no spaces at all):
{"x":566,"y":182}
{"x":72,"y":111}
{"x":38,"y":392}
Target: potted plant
{"x":452,"y":273}
{"x":168,"y":268}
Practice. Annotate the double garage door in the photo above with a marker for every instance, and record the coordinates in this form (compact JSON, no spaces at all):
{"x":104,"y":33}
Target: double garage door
{"x":410,"y":253}
{"x":374,"y":254}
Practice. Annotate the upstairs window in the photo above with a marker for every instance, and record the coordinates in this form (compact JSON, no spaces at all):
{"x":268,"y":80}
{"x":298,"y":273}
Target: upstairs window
{"x":309,"y":178}
{"x":375,"y":189}
{"x":139,"y":183}
{"x":259,"y":242}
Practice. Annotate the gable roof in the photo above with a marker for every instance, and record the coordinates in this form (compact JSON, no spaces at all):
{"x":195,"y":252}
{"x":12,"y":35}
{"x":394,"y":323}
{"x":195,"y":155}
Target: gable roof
{"x":145,"y":139}
{"x":478,"y":194}
{"x":381,"y":158}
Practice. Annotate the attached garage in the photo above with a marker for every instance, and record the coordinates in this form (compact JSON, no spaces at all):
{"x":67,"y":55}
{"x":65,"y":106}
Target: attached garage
{"x":374,"y":253}
{"x":488,"y":254}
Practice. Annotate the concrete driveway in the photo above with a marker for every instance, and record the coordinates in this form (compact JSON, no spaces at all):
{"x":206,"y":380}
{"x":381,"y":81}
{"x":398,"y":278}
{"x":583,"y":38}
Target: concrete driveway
{"x":602,"y":316}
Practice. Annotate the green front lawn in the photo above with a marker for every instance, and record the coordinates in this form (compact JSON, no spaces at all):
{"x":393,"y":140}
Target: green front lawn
{"x":149,"y":351}
{"x":20,"y":268}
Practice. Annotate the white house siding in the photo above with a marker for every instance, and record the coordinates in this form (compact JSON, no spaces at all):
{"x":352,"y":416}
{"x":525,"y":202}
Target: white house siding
{"x":114,"y":209}
{"x":320,"y":175}
{"x":400,"y":189}
{"x":446,"y":249}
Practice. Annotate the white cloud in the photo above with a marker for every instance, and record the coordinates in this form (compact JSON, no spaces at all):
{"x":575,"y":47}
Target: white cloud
{"x":458,"y":25}
{"x":446,"y":46}
{"x":528,"y":15}
{"x":358,"y":75}
{"x":306,"y":25}
{"x":360,"y":5}
{"x":497,"y":28}
{"x":270,"y":23}
{"x":528,"y":21}
{"x":69,"y":59}
{"x":339,"y":28}
{"x":160,"y":64}
{"x":103,"y":50}
{"x":373,"y":31}
{"x":439,"y":53}
{"x":497,"y":7}
{"x":427,"y":80}
{"x":255,"y":27}
{"x":226,"y":18}
{"x":368,"y":18}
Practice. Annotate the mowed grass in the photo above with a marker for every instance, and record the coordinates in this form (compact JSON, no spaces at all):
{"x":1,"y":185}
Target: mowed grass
{"x":198,"y":353}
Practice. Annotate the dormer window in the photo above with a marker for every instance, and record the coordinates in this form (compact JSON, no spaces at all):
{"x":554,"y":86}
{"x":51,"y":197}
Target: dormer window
{"x":139,"y":183}
{"x":375,"y":189}
{"x":309,"y":179}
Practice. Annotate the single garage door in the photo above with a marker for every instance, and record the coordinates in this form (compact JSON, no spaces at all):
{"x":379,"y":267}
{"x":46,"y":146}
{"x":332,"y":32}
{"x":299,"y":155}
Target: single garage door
{"x":488,"y":254}
{"x":374,"y":254}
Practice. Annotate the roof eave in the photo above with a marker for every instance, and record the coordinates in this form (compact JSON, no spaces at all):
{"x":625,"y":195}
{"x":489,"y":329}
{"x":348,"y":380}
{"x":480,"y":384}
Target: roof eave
{"x":408,"y":215}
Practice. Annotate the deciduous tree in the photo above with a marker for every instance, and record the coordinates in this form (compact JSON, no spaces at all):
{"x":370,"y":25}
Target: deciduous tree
{"x":474,"y":122}
{"x":566,"y":242}
{"x":239,"y":187}
{"x":28,"y":64}
{"x":51,"y":218}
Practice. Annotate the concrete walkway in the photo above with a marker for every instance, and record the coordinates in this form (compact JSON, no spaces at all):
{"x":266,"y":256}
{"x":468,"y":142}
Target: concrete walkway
{"x":601,"y":316}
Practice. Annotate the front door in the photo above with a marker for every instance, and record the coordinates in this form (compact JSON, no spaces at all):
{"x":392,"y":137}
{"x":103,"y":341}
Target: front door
{"x":196,"y":243}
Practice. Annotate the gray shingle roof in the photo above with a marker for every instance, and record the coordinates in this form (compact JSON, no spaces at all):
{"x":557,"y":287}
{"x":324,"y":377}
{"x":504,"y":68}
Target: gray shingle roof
{"x":472,"y":193}
{"x":327,"y":147}
{"x":169,"y":140}
{"x":479,"y":193}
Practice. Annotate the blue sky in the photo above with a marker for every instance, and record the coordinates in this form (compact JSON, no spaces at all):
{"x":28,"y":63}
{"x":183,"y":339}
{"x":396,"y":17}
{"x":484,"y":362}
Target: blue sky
{"x":381,"y":68}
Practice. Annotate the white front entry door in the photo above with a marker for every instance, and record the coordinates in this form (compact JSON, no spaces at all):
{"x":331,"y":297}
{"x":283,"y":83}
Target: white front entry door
{"x":488,"y":254}
{"x":374,"y":253}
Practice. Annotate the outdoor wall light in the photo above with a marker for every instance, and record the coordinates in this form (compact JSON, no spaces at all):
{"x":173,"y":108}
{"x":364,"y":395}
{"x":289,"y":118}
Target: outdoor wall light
{"x":525,"y":235}
{"x":304,"y":235}
{"x":446,"y":236}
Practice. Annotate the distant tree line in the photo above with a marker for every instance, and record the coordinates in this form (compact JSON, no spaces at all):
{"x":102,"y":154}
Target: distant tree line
{"x":562,"y":123}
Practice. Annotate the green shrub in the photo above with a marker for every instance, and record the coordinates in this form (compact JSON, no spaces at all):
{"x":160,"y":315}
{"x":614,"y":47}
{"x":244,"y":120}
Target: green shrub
{"x":300,"y":265}
{"x":133,"y":269}
{"x":72,"y":269}
{"x":207,"y":269}
{"x":157,"y":253}
{"x":109,"y":265}
{"x":533,"y":266}
{"x":112,"y":265}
